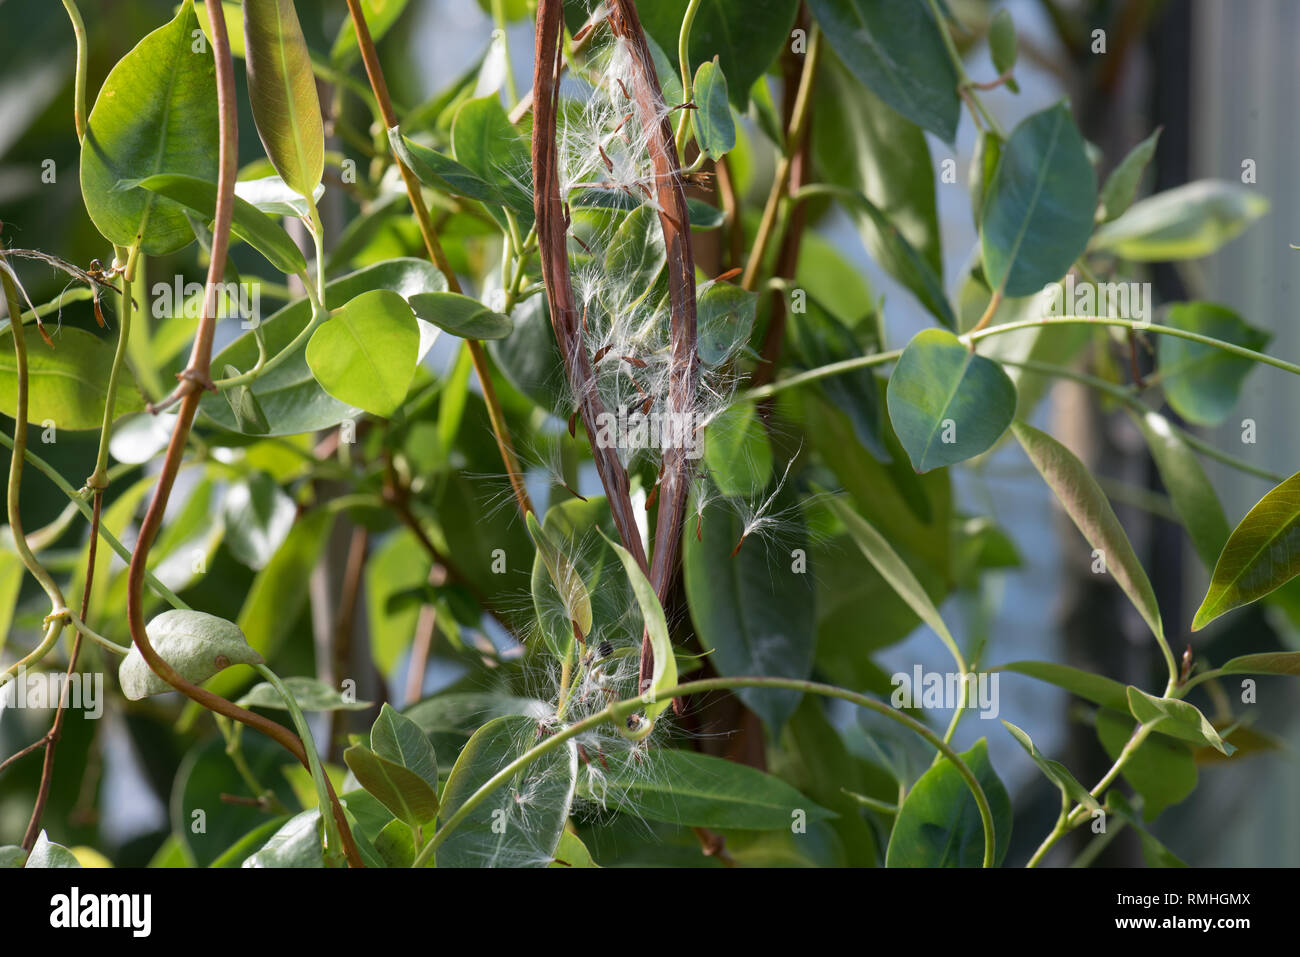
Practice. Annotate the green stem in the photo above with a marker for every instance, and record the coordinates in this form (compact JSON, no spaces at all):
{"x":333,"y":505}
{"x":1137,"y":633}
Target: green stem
{"x":333,"y":839}
{"x":620,"y":710}
{"x":499,"y":20}
{"x":964,"y":85}
{"x":79,"y":88}
{"x":684,"y":61}
{"x":99,"y":478}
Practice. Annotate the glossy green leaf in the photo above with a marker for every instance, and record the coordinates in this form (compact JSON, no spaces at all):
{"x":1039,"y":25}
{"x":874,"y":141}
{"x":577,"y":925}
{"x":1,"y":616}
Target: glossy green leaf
{"x":461,"y":315}
{"x":66,"y":385}
{"x":291,"y":398}
{"x":488,"y":144}
{"x":249,"y":417}
{"x":947,"y":403}
{"x":397,"y":738}
{"x":571,"y":852}
{"x":737,"y":452}
{"x":1186,"y":222}
{"x":939,"y":824}
{"x":282,"y":91}
{"x":1121,"y":185}
{"x":664,"y":675}
{"x":861,"y":143}
{"x":1055,"y":771}
{"x":1162,"y":769}
{"x":715,"y":130}
{"x":1259,"y":557}
{"x":365,"y":354}
{"x":273,"y":196}
{"x":1039,"y":210}
{"x":698,"y":790}
{"x":745,"y":35}
{"x":568,"y":583}
{"x":520,"y":823}
{"x":892,"y":569}
{"x":1264,"y":663}
{"x":896,"y":49}
{"x":380,"y":17}
{"x":196,"y":644}
{"x":1086,"y":504}
{"x":983,"y":166}
{"x":636,"y":252}
{"x":441,"y":172}
{"x":1176,"y":718}
{"x":401,"y":790}
{"x":724,"y":317}
{"x":155,"y":113}
{"x":752,"y":608}
{"x":1202,"y":381}
{"x":250,"y":224}
{"x":1098,"y":689}
{"x":45,"y":853}
{"x":257,"y":515}
{"x":1190,"y":491}
{"x":296,"y":844}
{"x":312,"y":694}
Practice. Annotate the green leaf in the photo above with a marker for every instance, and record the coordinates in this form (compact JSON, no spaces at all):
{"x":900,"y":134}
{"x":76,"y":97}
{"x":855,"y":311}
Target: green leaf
{"x":1154,"y":852}
{"x":399,"y":789}
{"x":250,"y":224}
{"x":715,"y":130}
{"x":397,"y":738}
{"x":860,"y":143}
{"x":292,"y":400}
{"x":636,"y":252}
{"x":983,"y":166}
{"x":441,"y":172}
{"x":939,"y":824}
{"x":488,"y":144}
{"x":520,"y":823}
{"x":947,"y":403}
{"x":1176,"y":718}
{"x":1085,"y":503}
{"x":724,"y":316}
{"x":698,"y":790}
{"x":1098,"y":689}
{"x":753,"y":608}
{"x":155,"y":113}
{"x":1039,"y":210}
{"x":45,"y":853}
{"x":296,"y":844}
{"x":312,"y":694}
{"x":1121,"y":185}
{"x":893,"y":570}
{"x":737,"y":452}
{"x":1003,"y":45}
{"x":1186,"y":222}
{"x":11,"y":855}
{"x":196,"y":644}
{"x":1264,"y":663}
{"x":461,"y":315}
{"x":1055,"y":771}
{"x":258,"y":516}
{"x":249,"y":417}
{"x":366,"y":353}
{"x":272,"y":195}
{"x":282,"y":91}
{"x":1202,"y":381}
{"x":1260,"y":555}
{"x":897,"y":50}
{"x":568,"y":582}
{"x":571,"y":852}
{"x":246,"y":846}
{"x":1190,"y":491}
{"x":380,"y":15}
{"x":1162,"y":769}
{"x":66,"y":385}
{"x":745,"y":35}
{"x":656,"y":626}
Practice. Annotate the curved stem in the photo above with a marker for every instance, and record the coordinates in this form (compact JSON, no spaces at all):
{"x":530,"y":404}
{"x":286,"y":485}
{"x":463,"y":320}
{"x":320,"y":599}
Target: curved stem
{"x":620,"y":710}
{"x":79,"y":88}
{"x":98,"y":479}
{"x":684,"y":61}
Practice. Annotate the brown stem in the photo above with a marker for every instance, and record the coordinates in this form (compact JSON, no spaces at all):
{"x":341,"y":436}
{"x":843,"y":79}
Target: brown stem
{"x":370,"y":57}
{"x":56,"y":730}
{"x":347,"y":611}
{"x":551,"y":244}
{"x":674,"y":220}
{"x":192,"y":380}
